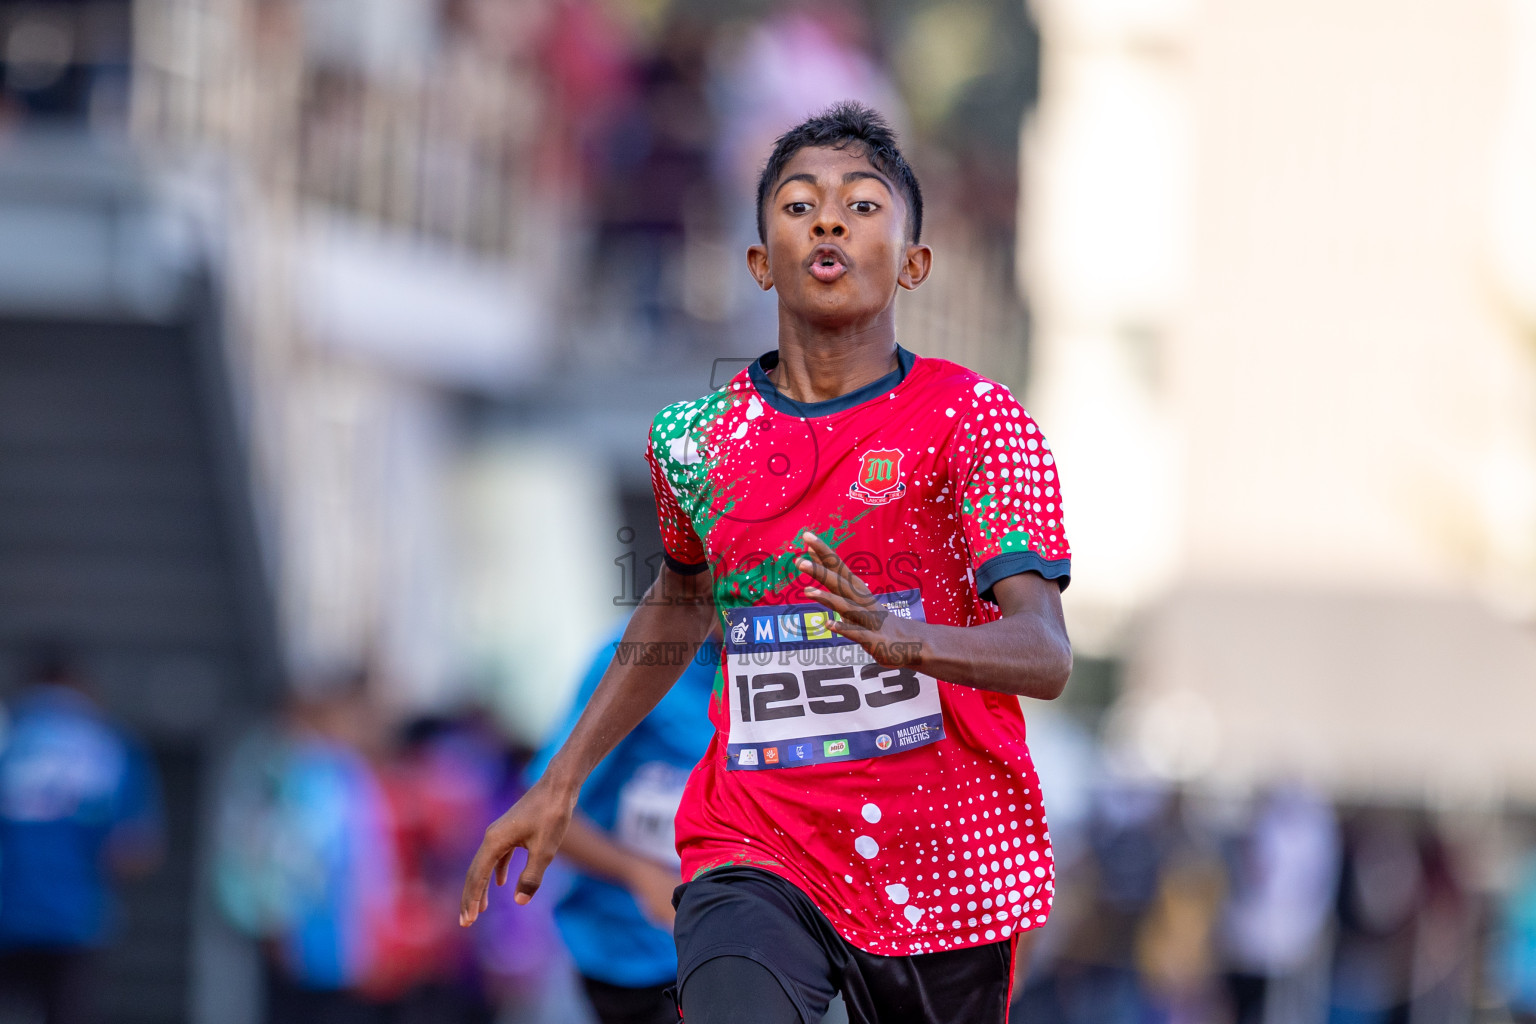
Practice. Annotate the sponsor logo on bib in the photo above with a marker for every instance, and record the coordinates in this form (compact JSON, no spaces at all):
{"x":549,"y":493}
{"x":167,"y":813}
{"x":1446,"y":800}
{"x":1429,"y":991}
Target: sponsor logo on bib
{"x":913,"y":735}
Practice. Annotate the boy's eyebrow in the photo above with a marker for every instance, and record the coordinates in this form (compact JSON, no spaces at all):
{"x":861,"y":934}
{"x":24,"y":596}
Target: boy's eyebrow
{"x":805,"y":176}
{"x":853,"y":176}
{"x":848,"y":179}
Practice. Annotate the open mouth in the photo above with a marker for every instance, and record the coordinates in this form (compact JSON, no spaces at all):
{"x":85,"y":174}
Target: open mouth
{"x":828,"y":263}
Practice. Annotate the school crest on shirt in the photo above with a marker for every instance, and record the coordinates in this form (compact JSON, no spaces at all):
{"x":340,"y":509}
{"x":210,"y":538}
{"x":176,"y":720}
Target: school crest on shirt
{"x":879,"y":479}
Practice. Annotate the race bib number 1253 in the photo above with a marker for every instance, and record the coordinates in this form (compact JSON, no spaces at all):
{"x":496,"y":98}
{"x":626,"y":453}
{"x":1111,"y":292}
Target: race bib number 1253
{"x":800,"y":694}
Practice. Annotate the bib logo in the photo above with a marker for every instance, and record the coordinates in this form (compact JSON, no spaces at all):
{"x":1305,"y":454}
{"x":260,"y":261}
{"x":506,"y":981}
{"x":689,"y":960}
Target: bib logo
{"x":739,"y":632}
{"x":879,"y":477}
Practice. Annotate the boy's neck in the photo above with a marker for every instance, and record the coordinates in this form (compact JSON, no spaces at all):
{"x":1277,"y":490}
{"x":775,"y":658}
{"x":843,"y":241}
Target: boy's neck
{"x":818,"y":364}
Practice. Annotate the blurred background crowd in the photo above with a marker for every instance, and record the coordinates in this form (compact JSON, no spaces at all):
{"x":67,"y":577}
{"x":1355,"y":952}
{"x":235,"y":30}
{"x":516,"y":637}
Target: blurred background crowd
{"x":330,"y":331}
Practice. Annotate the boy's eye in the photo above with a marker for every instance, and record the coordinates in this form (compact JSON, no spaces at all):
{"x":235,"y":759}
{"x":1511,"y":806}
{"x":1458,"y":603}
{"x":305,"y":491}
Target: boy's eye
{"x":798,"y":208}
{"x":864,"y":206}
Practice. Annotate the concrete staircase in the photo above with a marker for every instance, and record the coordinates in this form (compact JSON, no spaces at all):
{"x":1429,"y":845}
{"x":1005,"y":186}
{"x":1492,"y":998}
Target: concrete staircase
{"x":126,"y":530}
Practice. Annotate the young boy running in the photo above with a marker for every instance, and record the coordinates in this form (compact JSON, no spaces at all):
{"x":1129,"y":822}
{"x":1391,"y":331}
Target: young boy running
{"x":880,"y":537}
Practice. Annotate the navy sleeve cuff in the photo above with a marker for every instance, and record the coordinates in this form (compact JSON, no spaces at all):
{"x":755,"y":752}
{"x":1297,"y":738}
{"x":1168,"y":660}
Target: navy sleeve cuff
{"x":684,"y":568}
{"x":1011,"y":563}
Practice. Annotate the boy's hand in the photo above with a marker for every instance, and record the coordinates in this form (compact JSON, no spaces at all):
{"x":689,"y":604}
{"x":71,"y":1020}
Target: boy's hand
{"x":890,"y":639}
{"x":537,"y":823}
{"x":652,"y":886}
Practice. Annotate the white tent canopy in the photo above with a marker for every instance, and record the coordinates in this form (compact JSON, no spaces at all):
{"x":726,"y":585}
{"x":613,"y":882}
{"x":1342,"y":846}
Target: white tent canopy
{"x":1369,"y":696}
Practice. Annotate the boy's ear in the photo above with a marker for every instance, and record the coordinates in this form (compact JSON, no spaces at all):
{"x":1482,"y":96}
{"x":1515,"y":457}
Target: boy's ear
{"x":915,"y":266}
{"x":757,"y":266}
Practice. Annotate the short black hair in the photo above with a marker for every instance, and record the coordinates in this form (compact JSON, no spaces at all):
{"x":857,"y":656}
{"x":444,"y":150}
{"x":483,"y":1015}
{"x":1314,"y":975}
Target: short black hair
{"x":844,"y":124}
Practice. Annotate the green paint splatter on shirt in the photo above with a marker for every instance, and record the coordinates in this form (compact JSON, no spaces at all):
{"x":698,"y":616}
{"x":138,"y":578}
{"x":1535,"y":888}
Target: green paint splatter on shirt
{"x":1015,"y":540}
{"x":680,"y":436}
{"x":740,"y":858}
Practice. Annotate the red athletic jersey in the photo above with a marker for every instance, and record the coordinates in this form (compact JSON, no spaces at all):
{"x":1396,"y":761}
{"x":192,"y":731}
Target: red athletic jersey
{"x":905,"y":807}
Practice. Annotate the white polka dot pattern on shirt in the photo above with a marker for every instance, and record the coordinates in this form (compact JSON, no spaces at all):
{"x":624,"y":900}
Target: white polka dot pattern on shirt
{"x":976,"y":821}
{"x":1009,"y":502}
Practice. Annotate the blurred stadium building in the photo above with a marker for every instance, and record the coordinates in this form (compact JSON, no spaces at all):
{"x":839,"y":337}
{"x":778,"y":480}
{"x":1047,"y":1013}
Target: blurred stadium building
{"x":1283,"y":280}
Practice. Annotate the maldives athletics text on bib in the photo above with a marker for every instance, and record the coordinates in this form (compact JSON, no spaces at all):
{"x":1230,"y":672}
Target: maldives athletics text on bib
{"x":801,"y":694}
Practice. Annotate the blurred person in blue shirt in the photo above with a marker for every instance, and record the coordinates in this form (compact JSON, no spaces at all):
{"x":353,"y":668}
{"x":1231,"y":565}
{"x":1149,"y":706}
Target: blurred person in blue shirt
{"x":307,"y":858}
{"x":616,"y":916}
{"x":1514,"y":949}
{"x":336,"y":850}
{"x":79,"y":804}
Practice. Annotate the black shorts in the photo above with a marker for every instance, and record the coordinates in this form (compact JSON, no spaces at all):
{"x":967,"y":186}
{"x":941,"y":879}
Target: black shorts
{"x":746,"y":912}
{"x":622,"y":1004}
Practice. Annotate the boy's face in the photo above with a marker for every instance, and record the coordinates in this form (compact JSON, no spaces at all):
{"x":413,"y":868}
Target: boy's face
{"x":837,"y":245}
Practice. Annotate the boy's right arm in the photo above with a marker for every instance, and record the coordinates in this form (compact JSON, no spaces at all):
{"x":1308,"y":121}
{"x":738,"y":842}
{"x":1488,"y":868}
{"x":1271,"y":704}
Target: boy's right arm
{"x":677,"y":609}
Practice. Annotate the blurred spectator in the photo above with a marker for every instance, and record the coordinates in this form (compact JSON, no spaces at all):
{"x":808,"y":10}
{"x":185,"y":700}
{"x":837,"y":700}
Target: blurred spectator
{"x":1445,"y":935}
{"x":64,"y":61}
{"x":1068,"y":762}
{"x":517,"y":954}
{"x":340,"y":868}
{"x":79,"y":803}
{"x":588,"y":64}
{"x":445,"y":780}
{"x":1176,"y":955}
{"x":1515,"y":951}
{"x":248,"y":884}
{"x":792,"y":64}
{"x":306,"y":860}
{"x":1284,"y":878}
{"x":1378,"y":899}
{"x":1103,"y":900}
{"x":616,"y":917}
{"x":656,"y":186}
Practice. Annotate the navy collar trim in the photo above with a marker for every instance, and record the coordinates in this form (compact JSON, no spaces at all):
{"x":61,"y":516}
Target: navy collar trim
{"x":758,"y":371}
